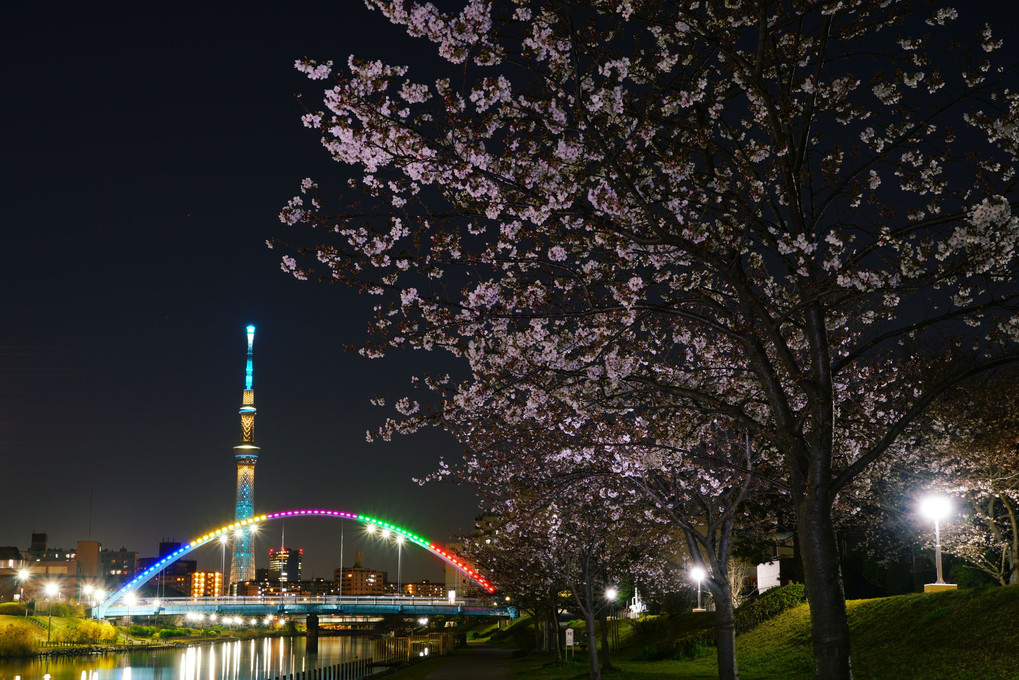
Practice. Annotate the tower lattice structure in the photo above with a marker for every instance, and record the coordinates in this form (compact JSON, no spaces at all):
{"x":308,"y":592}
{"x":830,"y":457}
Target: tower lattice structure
{"x":242,"y":564}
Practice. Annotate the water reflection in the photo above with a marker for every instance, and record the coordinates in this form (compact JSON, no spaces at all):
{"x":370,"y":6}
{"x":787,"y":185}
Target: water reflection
{"x":262,"y":659}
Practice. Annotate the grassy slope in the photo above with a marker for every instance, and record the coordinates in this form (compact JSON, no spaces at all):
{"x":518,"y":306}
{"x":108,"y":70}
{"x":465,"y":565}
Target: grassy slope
{"x":36,"y":630}
{"x":964,"y":635}
{"x":959,"y":635}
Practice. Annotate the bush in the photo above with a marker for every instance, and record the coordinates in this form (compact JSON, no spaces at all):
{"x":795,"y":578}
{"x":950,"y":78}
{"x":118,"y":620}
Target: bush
{"x":16,"y":641}
{"x":89,"y":633}
{"x":769,"y":605}
{"x":13,"y":608}
{"x":62,"y":609}
{"x":690,"y":636}
{"x":141,"y":631}
{"x":172,"y":633}
{"x":674,"y":635}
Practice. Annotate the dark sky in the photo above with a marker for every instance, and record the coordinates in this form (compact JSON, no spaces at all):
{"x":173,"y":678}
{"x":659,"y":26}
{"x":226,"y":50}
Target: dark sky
{"x":145,"y":157}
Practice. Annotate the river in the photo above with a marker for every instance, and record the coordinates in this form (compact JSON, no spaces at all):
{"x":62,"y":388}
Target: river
{"x":261,"y":659}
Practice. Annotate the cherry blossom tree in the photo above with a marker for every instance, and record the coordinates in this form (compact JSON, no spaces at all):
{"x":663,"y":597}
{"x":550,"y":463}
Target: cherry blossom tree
{"x":755,"y":210}
{"x":707,"y":512}
{"x":581,"y":538}
{"x":534,"y":589}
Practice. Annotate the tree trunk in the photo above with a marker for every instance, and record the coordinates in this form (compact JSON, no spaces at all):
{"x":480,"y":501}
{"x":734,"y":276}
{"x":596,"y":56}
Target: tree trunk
{"x":823,"y":581}
{"x":555,"y":635}
{"x":592,"y":638}
{"x":725,"y":631}
{"x":603,"y":621}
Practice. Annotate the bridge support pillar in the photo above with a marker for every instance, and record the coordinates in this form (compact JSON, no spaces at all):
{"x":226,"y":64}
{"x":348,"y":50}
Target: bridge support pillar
{"x":311,"y":624}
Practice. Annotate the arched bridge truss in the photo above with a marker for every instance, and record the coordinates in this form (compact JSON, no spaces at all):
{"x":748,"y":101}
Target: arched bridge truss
{"x":371,"y":523}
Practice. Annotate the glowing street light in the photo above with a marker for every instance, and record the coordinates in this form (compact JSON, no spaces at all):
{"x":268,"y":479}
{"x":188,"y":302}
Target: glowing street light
{"x":399,"y":564}
{"x":936,"y":508}
{"x":23,"y":575}
{"x":698,"y":574}
{"x":222,"y":559}
{"x":51,"y":590}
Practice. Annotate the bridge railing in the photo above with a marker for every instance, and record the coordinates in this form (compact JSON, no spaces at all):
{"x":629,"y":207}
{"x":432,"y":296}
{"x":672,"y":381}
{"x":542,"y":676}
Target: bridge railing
{"x":302,"y":604}
{"x":227,"y":600}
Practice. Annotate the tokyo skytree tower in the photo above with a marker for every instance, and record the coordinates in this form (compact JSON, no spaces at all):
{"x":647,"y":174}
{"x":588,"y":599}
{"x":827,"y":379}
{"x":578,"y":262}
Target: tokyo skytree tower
{"x":242,"y":564}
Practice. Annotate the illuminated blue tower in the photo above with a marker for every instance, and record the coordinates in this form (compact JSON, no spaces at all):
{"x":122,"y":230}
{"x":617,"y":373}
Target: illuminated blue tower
{"x":242,"y":565}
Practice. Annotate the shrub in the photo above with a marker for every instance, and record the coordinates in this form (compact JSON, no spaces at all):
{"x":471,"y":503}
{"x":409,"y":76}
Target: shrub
{"x":13,"y":608}
{"x":172,"y":633}
{"x":63,"y":609}
{"x":89,"y":633}
{"x":769,"y":605}
{"x":141,"y":631}
{"x":16,"y":641}
{"x":674,"y":635}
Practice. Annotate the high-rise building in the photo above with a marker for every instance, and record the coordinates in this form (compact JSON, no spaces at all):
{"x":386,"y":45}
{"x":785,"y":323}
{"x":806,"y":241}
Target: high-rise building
{"x":117,"y":566}
{"x":287,"y":562}
{"x":242,"y":564}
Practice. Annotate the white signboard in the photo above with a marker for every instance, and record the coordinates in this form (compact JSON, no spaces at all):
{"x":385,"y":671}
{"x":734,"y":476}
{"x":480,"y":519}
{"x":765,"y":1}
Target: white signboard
{"x":569,"y":637}
{"x":768,"y":575}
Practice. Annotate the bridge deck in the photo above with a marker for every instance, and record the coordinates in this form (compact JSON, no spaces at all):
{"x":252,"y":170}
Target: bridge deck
{"x":324,"y":605}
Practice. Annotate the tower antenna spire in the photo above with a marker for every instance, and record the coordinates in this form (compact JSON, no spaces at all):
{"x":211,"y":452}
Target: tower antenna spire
{"x":242,"y":563}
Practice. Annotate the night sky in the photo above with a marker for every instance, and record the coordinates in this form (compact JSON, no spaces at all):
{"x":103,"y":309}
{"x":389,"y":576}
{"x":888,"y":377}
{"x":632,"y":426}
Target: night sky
{"x":146,"y":156}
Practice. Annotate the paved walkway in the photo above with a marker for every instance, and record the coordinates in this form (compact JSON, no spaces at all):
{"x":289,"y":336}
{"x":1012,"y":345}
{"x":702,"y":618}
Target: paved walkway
{"x":474,"y":662}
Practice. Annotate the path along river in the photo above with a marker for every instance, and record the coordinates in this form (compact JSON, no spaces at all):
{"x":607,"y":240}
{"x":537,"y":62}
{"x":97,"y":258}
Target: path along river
{"x":261,"y":659}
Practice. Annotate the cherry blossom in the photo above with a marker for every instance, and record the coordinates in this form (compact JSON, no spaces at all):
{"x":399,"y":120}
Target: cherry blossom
{"x":623,"y":214}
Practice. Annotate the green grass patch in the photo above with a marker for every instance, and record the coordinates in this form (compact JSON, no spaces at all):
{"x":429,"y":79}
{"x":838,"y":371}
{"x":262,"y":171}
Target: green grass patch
{"x":963,"y":635}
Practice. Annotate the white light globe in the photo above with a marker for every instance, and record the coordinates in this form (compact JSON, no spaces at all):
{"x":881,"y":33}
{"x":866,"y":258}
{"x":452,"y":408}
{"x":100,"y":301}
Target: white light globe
{"x":935,"y":507}
{"x":698,"y":574}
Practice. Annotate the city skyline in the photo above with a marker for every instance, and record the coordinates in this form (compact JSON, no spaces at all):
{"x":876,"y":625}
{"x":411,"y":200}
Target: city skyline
{"x":147,"y":156}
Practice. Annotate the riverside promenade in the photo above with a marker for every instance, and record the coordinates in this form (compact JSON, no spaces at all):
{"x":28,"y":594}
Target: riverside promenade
{"x":474,"y":662}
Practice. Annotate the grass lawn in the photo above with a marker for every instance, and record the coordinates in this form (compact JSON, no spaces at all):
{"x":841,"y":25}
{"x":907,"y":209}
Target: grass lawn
{"x":961,"y":635}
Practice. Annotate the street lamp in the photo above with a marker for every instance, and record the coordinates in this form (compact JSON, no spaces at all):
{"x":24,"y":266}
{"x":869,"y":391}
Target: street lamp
{"x":612,"y":621}
{"x":936,"y":508}
{"x":698,"y":574}
{"x":222,"y":563}
{"x":399,"y":563}
{"x":51,"y":590}
{"x":23,"y":575}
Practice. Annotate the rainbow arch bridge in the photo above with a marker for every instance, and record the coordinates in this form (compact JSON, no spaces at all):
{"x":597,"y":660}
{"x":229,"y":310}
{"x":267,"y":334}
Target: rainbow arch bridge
{"x":125,"y":602}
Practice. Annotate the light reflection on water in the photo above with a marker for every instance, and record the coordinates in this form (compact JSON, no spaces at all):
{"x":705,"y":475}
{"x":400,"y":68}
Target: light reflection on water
{"x":262,"y":659}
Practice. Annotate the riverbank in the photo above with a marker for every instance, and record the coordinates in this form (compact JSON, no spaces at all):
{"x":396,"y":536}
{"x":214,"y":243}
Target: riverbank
{"x":22,"y":637}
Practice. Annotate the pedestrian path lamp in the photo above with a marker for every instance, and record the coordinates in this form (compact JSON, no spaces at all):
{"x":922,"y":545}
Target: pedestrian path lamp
{"x":51,"y":591}
{"x":399,"y":564}
{"x":937,"y":508}
{"x":698,"y":574}
{"x":22,"y":577}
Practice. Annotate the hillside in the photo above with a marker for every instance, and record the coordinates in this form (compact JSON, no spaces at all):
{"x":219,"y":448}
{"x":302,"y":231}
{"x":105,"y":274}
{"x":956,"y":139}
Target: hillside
{"x":953,"y":635}
{"x":964,"y":635}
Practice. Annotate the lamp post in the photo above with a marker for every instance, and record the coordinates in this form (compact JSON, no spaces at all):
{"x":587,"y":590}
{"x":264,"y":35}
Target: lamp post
{"x":698,"y":574}
{"x":612,"y":622}
{"x":222,"y":563}
{"x":22,"y":577}
{"x":937,"y":508}
{"x":51,"y":590}
{"x":399,"y":564}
